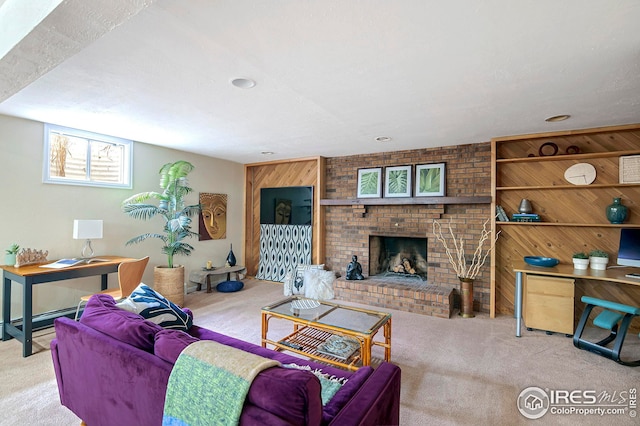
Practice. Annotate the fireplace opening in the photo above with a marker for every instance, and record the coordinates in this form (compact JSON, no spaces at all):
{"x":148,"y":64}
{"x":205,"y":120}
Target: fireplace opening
{"x":398,"y":257}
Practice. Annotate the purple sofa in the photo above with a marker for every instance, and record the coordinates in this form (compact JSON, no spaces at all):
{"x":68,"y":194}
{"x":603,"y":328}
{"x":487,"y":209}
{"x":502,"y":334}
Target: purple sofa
{"x":112,"y":367}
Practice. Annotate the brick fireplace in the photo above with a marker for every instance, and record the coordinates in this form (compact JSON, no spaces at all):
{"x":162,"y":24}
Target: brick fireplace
{"x":351,"y":229}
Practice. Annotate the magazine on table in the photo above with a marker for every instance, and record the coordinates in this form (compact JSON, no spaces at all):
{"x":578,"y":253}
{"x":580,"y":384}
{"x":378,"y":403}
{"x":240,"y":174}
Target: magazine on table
{"x":340,"y":347}
{"x":65,"y":263}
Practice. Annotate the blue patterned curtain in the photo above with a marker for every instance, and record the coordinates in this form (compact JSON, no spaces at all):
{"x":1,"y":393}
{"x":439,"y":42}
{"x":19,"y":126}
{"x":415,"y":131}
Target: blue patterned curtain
{"x":282,"y":247}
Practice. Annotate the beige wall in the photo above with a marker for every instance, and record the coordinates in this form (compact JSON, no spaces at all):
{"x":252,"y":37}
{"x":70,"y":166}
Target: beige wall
{"x":40,"y":216}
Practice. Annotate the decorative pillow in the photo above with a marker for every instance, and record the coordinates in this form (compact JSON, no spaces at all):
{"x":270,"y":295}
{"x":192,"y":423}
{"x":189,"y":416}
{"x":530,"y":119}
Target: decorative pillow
{"x":229,"y":286}
{"x":102,"y":314}
{"x":156,"y":308}
{"x":169,"y":344}
{"x":294,"y":279}
{"x":318,"y":284}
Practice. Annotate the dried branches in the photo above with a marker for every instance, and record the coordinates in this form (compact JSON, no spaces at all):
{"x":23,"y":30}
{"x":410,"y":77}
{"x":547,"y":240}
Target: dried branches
{"x":457,"y":258}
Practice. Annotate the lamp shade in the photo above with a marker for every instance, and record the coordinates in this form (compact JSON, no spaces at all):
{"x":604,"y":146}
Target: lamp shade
{"x":87,"y":229}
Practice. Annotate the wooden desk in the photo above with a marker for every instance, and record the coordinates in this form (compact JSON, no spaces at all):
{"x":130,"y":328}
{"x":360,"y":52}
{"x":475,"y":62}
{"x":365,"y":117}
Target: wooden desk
{"x":614,"y":275}
{"x":30,"y":275}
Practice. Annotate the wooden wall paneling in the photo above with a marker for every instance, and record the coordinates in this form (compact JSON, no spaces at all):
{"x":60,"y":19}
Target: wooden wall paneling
{"x":573,"y":216}
{"x":296,"y":172}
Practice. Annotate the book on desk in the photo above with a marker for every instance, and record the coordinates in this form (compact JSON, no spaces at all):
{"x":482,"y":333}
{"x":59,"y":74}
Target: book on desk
{"x":65,"y":263}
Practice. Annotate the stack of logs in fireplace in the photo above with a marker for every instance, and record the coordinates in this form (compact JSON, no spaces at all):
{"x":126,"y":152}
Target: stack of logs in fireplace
{"x":404,"y":267}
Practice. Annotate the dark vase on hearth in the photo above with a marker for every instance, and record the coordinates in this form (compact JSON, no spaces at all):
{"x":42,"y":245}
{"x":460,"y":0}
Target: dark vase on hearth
{"x":616,"y":212}
{"x":231,"y":258}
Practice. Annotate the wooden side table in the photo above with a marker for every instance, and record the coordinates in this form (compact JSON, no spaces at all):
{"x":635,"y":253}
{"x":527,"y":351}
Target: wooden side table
{"x":204,"y":276}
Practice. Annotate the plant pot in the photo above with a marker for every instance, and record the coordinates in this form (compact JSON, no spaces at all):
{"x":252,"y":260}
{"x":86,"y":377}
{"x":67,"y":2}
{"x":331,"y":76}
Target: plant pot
{"x":169,"y":282}
{"x":598,"y":263}
{"x":580,"y":263}
{"x":10,"y":259}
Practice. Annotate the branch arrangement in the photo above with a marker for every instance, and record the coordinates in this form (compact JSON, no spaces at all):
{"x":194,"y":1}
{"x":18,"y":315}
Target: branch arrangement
{"x":457,"y":259}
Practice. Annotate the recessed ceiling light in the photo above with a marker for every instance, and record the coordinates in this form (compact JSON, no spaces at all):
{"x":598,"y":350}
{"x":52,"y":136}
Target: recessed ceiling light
{"x":555,"y":118}
{"x":383,"y":139}
{"x":267,"y":153}
{"x":243,"y":83}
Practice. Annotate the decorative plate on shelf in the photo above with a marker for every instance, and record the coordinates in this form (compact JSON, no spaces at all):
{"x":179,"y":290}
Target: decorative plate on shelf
{"x":546,"y":262}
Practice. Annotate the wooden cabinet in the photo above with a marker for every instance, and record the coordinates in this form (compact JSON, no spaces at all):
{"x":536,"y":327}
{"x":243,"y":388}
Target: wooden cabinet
{"x":548,"y":303}
{"x":573,"y":217}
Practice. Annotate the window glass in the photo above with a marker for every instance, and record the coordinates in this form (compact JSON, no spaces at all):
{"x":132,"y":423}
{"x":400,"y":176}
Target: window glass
{"x":76,"y":157}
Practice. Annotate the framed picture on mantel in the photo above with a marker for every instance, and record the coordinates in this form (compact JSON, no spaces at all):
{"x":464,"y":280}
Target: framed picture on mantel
{"x":397,"y":181}
{"x":370,"y":183}
{"x":430,"y":180}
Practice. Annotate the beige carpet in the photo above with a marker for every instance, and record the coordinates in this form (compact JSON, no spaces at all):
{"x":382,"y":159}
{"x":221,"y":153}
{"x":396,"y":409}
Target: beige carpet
{"x":454,"y":371}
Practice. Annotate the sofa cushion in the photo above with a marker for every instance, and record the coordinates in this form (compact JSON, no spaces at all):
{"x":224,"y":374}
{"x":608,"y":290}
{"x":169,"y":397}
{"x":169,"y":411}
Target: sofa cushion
{"x":102,"y":314}
{"x":293,"y":395}
{"x":346,"y":392}
{"x":156,"y":308}
{"x":170,"y":343}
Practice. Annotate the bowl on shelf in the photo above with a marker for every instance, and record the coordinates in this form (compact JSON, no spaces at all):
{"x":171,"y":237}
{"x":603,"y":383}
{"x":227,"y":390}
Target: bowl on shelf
{"x":546,"y":262}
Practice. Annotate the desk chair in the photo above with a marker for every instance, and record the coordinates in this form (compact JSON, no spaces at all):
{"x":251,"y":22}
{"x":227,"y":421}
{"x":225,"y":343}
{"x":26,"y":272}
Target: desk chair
{"x":129,"y":276}
{"x":616,"y":318}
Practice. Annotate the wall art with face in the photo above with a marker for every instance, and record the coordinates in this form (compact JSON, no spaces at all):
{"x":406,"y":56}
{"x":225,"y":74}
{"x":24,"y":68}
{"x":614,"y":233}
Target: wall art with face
{"x":213,"y":216}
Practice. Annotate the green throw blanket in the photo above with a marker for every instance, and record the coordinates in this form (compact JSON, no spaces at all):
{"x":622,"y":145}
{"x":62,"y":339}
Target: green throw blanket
{"x":209,"y":383}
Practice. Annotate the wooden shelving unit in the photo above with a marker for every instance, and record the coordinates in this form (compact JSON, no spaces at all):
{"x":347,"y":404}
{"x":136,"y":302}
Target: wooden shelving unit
{"x":573,"y":216}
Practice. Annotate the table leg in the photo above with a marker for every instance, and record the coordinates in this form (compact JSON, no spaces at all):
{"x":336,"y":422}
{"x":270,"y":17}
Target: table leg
{"x":27,"y":318}
{"x":208,"y":283}
{"x":6,"y":308}
{"x":104,"y":282}
{"x":518,"y":304}
{"x":387,"y":340}
{"x":265,"y":327}
{"x":366,"y":356}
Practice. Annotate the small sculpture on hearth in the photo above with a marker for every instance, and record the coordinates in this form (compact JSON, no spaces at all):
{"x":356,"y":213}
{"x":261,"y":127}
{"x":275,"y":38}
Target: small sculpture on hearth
{"x":354,"y":269}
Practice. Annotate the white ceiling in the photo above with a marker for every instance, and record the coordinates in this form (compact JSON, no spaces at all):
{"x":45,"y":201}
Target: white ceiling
{"x":332,"y":75}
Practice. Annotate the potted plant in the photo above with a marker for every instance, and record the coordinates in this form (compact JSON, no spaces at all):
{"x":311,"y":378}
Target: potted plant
{"x":176,"y":217}
{"x":598,"y":259}
{"x":11,"y":253}
{"x":580,"y":260}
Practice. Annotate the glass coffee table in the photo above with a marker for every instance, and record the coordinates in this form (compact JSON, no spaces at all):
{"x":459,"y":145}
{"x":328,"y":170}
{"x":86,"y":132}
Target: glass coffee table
{"x":328,"y":332}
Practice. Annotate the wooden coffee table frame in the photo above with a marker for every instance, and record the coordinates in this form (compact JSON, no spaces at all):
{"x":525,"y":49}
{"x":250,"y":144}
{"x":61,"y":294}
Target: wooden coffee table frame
{"x":308,"y":334}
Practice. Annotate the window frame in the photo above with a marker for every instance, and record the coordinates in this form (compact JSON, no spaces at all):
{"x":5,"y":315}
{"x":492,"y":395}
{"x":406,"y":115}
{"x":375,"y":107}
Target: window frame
{"x":127,"y":157}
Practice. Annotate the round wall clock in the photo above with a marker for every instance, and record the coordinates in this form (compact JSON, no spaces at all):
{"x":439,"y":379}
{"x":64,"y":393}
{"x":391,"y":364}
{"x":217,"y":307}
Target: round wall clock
{"x":580,"y":174}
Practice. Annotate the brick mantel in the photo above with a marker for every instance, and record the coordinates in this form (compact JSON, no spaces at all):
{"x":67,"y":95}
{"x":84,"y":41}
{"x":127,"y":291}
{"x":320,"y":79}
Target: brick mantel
{"x":349,"y":221}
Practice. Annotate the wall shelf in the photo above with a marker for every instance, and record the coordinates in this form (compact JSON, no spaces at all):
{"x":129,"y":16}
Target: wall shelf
{"x":575,"y":225}
{"x":405,"y":201}
{"x":584,"y":156}
{"x":592,"y":186}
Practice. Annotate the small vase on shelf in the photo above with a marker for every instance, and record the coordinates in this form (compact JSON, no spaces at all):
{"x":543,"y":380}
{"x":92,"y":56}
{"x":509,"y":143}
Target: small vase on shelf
{"x":231,"y":258}
{"x":616,"y":212}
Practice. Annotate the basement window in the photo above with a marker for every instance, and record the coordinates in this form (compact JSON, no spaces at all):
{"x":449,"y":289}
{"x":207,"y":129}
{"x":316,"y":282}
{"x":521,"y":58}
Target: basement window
{"x":77,"y":157}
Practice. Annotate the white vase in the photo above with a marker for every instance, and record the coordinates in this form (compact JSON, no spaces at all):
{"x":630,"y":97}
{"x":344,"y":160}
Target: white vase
{"x":580,"y":263}
{"x":598,"y":263}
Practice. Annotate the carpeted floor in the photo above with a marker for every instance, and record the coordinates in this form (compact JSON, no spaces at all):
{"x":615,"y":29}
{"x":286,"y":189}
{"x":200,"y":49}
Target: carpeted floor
{"x":454,"y":371}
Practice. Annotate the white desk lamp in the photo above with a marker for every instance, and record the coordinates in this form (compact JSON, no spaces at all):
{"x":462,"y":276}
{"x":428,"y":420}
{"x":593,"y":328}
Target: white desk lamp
{"x":86,"y":230}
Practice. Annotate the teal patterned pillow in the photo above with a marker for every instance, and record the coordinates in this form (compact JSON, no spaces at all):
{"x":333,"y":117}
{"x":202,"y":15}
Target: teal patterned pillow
{"x":154,"y":307}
